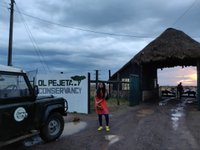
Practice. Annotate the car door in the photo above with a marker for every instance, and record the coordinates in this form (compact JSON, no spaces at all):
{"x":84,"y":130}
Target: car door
{"x":16,"y":106}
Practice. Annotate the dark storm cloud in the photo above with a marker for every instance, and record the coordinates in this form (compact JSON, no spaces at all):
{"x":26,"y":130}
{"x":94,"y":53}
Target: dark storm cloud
{"x":123,"y":16}
{"x":113,"y":14}
{"x":98,"y":13}
{"x":65,"y":47}
{"x":129,"y":17}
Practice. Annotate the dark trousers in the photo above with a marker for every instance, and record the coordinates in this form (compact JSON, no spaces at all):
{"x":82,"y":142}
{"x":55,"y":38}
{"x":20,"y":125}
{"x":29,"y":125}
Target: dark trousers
{"x":106,"y":118}
{"x":179,"y":95}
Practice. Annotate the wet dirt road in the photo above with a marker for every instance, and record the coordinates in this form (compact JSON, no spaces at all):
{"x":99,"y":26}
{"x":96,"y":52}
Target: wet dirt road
{"x":168,"y":125}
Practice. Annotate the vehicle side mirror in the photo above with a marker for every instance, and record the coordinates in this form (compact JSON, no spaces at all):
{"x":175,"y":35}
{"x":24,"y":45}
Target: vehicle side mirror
{"x":36,"y":90}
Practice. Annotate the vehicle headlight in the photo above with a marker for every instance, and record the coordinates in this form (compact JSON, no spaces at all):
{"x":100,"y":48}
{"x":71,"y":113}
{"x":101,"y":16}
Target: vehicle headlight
{"x":65,"y":105}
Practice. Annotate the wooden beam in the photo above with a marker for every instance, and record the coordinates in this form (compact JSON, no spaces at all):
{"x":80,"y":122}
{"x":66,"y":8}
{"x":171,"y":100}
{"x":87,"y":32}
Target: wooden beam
{"x":198,"y":83}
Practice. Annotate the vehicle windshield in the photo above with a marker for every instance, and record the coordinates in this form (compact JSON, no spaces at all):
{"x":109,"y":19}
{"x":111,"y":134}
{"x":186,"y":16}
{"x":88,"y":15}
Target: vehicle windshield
{"x":13,"y":86}
{"x":32,"y":76}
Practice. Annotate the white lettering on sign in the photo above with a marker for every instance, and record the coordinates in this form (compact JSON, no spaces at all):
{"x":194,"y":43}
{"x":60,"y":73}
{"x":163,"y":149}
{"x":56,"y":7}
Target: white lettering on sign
{"x":19,"y":114}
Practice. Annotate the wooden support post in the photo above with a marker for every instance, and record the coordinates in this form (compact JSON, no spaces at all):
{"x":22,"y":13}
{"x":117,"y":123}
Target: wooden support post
{"x":11,"y":33}
{"x":198,"y":83}
{"x":118,"y":86}
{"x":109,"y":84}
{"x":97,"y":78}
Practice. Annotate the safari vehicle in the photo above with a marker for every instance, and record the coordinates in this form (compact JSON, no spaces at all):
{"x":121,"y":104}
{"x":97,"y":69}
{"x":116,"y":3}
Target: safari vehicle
{"x":23,"y":113}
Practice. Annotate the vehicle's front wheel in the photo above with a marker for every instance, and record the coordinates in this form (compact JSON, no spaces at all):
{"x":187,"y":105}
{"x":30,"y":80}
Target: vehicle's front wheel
{"x":53,"y":127}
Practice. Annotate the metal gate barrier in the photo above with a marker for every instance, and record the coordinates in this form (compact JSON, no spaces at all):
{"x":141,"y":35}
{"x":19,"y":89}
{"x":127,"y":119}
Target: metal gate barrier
{"x":134,"y":93}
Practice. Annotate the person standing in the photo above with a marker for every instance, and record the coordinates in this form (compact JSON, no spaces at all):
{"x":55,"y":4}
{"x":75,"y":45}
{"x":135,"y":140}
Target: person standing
{"x":179,"y":90}
{"x":101,"y":106}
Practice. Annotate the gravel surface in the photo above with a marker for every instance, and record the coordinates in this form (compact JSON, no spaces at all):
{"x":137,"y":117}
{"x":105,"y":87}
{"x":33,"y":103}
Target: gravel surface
{"x":171,"y":125}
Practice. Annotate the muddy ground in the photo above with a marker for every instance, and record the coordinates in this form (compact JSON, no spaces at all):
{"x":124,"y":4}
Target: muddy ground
{"x":167,"y":125}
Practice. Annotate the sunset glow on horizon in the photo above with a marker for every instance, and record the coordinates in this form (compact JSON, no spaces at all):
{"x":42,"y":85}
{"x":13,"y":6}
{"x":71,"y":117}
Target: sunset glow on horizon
{"x":173,"y":76}
{"x":190,"y":79}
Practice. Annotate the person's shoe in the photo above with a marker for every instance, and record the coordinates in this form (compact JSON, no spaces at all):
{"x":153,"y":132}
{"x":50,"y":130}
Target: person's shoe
{"x":100,"y":128}
{"x":107,"y":128}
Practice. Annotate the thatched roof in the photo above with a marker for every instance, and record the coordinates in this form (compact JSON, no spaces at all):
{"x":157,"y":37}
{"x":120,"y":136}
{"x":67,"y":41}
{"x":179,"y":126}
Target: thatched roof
{"x":171,"y":48}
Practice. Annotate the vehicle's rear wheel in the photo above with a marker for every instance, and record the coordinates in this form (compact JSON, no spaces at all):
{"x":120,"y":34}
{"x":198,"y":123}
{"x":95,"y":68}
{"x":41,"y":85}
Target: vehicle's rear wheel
{"x":53,"y":127}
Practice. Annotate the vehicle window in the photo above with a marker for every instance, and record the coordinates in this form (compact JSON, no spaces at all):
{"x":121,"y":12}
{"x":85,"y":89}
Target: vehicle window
{"x":13,"y":86}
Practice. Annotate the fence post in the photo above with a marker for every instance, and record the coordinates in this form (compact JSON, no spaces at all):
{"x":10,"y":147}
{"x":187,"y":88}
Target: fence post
{"x":97,"y":78}
{"x":109,"y":84}
{"x":118,"y":85}
{"x":89,"y":93}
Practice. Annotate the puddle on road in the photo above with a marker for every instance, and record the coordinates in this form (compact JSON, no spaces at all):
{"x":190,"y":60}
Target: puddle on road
{"x":164,"y":102}
{"x":145,"y":112}
{"x":33,"y":141}
{"x":177,"y":114}
{"x":73,"y":127}
{"x":190,"y":101}
{"x":69,"y":129}
{"x":112,"y":139}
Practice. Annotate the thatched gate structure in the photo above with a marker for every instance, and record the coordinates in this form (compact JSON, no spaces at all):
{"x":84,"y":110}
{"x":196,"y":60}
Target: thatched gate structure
{"x":172,"y":48}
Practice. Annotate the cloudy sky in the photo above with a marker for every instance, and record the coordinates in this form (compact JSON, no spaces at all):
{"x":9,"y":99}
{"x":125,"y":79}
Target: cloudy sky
{"x":79,"y":36}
